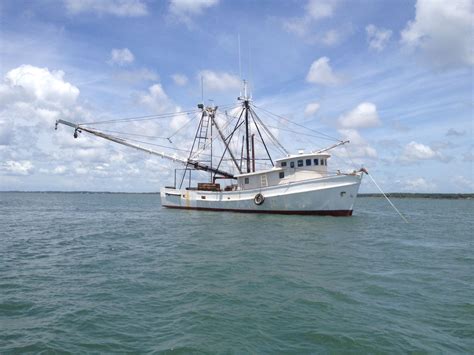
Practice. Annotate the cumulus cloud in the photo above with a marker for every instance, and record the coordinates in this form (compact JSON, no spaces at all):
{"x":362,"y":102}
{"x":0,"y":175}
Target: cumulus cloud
{"x":28,"y":83}
{"x":156,"y":99}
{"x":414,"y":152}
{"x":59,"y":170}
{"x":377,"y":37}
{"x":219,"y":81}
{"x":363,"y":116}
{"x":179,"y":119}
{"x":184,"y":10}
{"x":12,"y":167}
{"x":179,"y":79}
{"x":315,"y":10}
{"x":121,"y":8}
{"x":418,"y":185}
{"x":121,"y":56}
{"x":333,"y":37}
{"x":443,"y":31}
{"x":359,"y":147}
{"x":311,"y":109}
{"x":463,"y":182}
{"x":321,"y":72}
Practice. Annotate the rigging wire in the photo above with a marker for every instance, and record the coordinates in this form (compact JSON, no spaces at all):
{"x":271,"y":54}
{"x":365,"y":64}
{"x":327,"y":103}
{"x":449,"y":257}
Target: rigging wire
{"x":305,"y":135}
{"x":206,"y":145}
{"x":132,"y":134}
{"x":141,"y":118}
{"x":297,"y":124}
{"x":149,"y":117}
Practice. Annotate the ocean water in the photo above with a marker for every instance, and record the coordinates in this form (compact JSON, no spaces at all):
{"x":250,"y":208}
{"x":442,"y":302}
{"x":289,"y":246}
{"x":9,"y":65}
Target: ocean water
{"x":118,"y":273}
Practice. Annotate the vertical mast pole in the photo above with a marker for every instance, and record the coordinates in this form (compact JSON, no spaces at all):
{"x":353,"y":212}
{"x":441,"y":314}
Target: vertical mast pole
{"x":246,"y":103}
{"x":211,"y":123}
{"x":253,"y":152}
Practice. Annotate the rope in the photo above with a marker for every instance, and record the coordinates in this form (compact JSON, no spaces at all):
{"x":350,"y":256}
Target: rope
{"x":396,"y":209}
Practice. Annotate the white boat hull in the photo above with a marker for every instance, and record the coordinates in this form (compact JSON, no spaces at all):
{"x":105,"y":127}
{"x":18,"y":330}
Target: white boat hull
{"x":334,"y":195}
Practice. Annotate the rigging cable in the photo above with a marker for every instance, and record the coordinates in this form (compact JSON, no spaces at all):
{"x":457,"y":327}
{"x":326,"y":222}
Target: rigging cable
{"x":297,"y":124}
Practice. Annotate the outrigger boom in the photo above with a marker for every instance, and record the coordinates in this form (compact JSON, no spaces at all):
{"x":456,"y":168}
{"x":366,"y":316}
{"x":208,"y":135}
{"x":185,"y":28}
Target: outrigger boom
{"x":188,"y":162}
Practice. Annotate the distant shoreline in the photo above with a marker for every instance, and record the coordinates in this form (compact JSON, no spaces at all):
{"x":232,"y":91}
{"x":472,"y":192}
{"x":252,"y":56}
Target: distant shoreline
{"x":450,"y":196}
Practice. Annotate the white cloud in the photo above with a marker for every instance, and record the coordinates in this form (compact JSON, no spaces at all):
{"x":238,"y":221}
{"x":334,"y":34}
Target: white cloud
{"x":121,"y":8}
{"x":321,"y":72}
{"x":156,"y":99}
{"x":464,"y":182}
{"x":443,"y":31}
{"x":179,"y":120}
{"x":358,"y":147}
{"x":32,"y":84}
{"x":219,"y":81}
{"x":332,"y":37}
{"x":121,"y":56}
{"x":311,"y":108}
{"x":59,"y":170}
{"x":184,"y":10}
{"x":363,"y":116}
{"x":418,"y":185}
{"x":319,"y":9}
{"x":377,"y":37}
{"x":180,"y":79}
{"x":315,"y":10}
{"x":12,"y":167}
{"x":414,"y":151}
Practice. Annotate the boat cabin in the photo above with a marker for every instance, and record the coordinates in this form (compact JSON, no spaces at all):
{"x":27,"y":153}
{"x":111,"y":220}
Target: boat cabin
{"x":292,"y":168}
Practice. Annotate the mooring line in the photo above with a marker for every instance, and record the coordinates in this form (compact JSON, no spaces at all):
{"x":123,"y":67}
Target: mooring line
{"x":383,"y":193}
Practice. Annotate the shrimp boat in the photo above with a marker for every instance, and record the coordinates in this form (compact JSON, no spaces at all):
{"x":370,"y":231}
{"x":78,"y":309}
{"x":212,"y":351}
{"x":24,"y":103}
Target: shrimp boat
{"x":299,"y":183}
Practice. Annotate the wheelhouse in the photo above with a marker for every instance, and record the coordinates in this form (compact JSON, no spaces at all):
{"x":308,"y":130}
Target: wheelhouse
{"x":292,"y":168}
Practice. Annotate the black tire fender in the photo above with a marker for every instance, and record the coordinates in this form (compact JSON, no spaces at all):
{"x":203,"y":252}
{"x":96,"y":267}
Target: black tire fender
{"x":259,"y":199}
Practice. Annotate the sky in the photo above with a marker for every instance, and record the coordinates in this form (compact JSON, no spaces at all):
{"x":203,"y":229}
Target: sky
{"x":393,"y":77}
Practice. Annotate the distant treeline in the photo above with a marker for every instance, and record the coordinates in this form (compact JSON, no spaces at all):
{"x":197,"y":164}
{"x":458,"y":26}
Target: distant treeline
{"x":421,"y":195}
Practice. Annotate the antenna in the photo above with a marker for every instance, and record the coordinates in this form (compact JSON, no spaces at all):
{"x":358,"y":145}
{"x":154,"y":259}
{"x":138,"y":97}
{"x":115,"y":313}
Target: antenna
{"x":240,"y":61}
{"x":250,"y":71}
{"x":202,"y":89}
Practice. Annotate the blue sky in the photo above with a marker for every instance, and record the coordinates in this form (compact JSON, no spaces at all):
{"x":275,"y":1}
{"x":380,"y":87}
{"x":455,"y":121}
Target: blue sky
{"x":394,"y":77}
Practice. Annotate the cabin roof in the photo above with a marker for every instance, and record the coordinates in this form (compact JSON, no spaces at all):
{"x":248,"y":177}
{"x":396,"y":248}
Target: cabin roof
{"x":259,"y":172}
{"x":304,"y":155}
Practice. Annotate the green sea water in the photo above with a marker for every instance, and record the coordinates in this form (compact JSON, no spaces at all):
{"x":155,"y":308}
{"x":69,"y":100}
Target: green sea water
{"x":101,"y":273}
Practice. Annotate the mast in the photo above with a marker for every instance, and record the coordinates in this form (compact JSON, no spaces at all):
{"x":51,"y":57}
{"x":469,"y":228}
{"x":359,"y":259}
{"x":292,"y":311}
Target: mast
{"x":247,"y":128}
{"x":246,"y":105}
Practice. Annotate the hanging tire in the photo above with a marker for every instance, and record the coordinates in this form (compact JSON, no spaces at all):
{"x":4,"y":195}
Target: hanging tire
{"x":258,"y":199}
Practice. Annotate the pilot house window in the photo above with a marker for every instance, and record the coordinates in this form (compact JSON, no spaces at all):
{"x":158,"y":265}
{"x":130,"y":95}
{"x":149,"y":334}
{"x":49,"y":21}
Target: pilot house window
{"x":316,"y":161}
{"x":283,"y":164}
{"x":282,"y":175}
{"x":246,"y":180}
{"x":292,"y":164}
{"x":308,"y":162}
{"x":300,"y":162}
